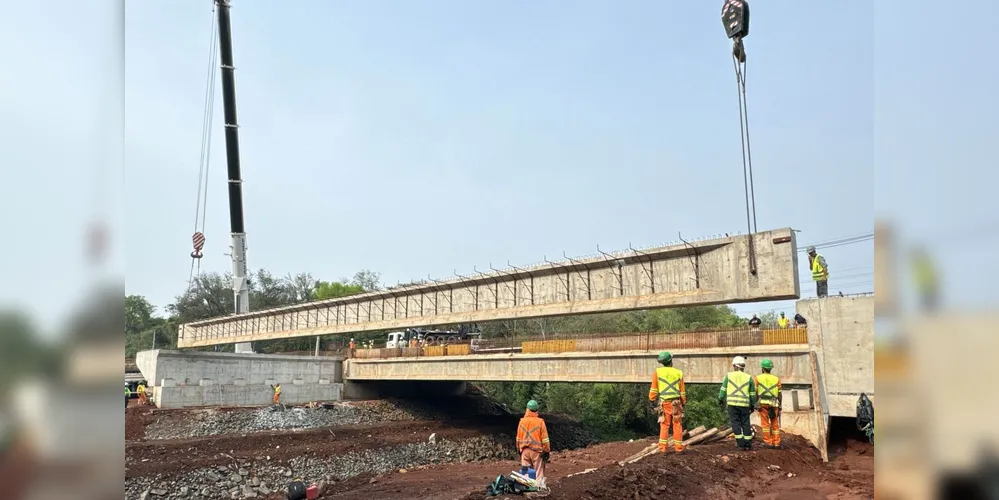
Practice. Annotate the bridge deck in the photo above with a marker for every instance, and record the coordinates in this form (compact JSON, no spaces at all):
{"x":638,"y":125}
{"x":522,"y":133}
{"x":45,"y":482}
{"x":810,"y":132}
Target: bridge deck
{"x":700,"y":366}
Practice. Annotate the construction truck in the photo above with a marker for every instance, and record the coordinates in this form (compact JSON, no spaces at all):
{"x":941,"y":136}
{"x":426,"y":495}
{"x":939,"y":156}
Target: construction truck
{"x":465,"y":334}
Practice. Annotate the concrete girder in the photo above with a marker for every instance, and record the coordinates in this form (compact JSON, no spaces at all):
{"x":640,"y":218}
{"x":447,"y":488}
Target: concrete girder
{"x":700,"y":366}
{"x":715,"y":271}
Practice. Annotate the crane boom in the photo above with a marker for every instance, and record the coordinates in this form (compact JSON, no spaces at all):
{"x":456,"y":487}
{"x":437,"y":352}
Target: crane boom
{"x":240,"y":285}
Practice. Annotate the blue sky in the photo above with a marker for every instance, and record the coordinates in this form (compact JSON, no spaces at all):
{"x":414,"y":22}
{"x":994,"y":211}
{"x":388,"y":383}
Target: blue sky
{"x":411,"y":141}
{"x":415,"y":138}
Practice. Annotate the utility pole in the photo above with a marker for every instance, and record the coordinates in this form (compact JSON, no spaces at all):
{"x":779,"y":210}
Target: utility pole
{"x":240,"y":287}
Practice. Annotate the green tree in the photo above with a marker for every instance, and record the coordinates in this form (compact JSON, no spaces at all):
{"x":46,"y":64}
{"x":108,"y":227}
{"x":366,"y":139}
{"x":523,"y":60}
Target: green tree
{"x":332,"y":290}
{"x":369,"y":281}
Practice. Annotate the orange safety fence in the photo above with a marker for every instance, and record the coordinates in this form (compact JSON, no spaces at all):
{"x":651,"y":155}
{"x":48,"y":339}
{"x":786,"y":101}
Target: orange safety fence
{"x":785,"y":336}
{"x":434,"y":350}
{"x":458,"y":350}
{"x":548,"y":346}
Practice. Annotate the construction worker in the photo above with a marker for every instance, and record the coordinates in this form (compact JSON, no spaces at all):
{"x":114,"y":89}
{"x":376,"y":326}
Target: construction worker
{"x":277,"y":392}
{"x":782,"y":321}
{"x":128,"y":394}
{"x":352,"y":347}
{"x":925,"y":276}
{"x":141,"y":391}
{"x":738,"y":396}
{"x":770,"y":398}
{"x":754,"y":323}
{"x":800,"y":321}
{"x":668,"y":397}
{"x":820,"y":272}
{"x":532,"y":442}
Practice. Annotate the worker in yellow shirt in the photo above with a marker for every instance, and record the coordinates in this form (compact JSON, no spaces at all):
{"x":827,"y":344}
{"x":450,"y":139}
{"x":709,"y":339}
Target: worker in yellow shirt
{"x":820,"y":272}
{"x":668,"y":396}
{"x":782,"y":321}
{"x":141,"y":391}
{"x":768,"y":390}
{"x":277,"y":392}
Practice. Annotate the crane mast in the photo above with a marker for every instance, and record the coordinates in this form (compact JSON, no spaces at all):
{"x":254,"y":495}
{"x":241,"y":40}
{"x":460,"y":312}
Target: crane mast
{"x":240,"y":285}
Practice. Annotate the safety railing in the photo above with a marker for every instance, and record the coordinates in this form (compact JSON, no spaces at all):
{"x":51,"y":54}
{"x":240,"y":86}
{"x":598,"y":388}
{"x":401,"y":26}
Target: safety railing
{"x":560,"y":343}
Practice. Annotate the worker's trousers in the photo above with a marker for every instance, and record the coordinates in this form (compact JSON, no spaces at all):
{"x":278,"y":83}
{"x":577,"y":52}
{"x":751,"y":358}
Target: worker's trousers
{"x":142,"y":398}
{"x":276,"y":397}
{"x":822,"y":288}
{"x":672,"y":419}
{"x":531,"y":458}
{"x":770,"y":422}
{"x":738,"y":418}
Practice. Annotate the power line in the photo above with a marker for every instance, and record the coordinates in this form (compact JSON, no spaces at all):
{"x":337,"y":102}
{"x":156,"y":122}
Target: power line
{"x":849,"y":240}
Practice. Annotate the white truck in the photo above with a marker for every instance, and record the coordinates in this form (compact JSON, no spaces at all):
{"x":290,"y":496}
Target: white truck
{"x":432,"y":337}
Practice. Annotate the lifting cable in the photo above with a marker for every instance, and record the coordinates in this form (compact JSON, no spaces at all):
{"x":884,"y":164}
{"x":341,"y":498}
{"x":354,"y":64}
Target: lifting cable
{"x":735,"y":19}
{"x":739,"y":63}
{"x":201,"y":208}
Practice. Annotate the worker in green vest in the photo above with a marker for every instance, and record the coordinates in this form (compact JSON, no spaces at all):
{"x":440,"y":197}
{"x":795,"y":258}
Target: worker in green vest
{"x":738,"y":397}
{"x":820,"y":272}
{"x":769,"y":389}
{"x":128,"y":394}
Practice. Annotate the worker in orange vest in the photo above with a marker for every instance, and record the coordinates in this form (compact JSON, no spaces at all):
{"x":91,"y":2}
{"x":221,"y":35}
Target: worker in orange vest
{"x":668,"y":397}
{"x":770,"y":397}
{"x":532,"y":442}
{"x":352,"y":347}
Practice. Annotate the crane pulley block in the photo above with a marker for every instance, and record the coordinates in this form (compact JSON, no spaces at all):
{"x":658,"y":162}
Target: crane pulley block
{"x":735,"y":18}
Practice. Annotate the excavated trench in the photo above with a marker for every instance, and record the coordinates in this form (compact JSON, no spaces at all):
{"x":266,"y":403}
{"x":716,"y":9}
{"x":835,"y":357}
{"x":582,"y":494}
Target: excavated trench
{"x":252,"y":453}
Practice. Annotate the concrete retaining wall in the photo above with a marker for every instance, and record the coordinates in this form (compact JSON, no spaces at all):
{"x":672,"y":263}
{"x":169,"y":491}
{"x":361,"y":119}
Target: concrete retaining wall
{"x":181,"y":379}
{"x":841,"y":332}
{"x":242,"y":395}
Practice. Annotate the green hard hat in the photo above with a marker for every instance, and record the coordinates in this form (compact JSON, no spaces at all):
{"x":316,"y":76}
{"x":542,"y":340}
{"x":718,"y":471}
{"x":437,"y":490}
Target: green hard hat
{"x":664,"y":357}
{"x":767,"y":364}
{"x":532,"y":405}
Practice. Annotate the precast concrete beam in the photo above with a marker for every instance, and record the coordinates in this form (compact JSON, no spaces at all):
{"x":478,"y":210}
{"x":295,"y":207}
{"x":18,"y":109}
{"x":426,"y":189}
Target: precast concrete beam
{"x":727,"y":270}
{"x":700,"y":366}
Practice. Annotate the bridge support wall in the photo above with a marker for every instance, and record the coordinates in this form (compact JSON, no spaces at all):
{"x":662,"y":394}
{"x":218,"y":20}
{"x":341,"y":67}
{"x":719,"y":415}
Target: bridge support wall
{"x":181,"y":379}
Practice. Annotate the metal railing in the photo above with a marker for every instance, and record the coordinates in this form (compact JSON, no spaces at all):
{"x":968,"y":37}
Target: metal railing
{"x":577,"y":342}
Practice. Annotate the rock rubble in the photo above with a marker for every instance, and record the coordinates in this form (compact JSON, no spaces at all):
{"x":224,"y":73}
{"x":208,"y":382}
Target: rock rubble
{"x":258,"y":478}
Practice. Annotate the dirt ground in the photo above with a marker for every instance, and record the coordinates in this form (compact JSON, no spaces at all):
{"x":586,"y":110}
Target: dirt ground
{"x":713,"y":471}
{"x":442,"y":482}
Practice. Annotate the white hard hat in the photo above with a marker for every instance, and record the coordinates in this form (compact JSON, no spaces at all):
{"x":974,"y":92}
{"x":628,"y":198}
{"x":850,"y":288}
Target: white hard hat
{"x":739,"y":361}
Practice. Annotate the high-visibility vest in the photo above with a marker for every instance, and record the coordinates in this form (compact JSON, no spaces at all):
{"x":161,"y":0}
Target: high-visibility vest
{"x":924,"y":274}
{"x":782,"y":322}
{"x":141,"y":389}
{"x":531,"y":433}
{"x":669,"y":383}
{"x":277,"y":389}
{"x":737,"y":390}
{"x":127,"y":392}
{"x":768,"y":388}
{"x":818,"y":272}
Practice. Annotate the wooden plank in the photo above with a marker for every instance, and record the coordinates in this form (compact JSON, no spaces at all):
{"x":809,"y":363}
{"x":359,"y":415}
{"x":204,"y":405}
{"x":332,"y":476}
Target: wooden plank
{"x":701,"y":437}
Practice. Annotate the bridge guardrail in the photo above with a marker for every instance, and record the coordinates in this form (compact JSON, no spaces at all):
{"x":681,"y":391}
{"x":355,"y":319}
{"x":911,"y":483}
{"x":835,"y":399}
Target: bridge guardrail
{"x":656,"y":341}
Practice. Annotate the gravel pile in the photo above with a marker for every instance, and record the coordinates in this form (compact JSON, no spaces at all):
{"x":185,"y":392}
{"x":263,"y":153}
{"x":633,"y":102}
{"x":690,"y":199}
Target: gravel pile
{"x":259,"y":478}
{"x":218,"y":422}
